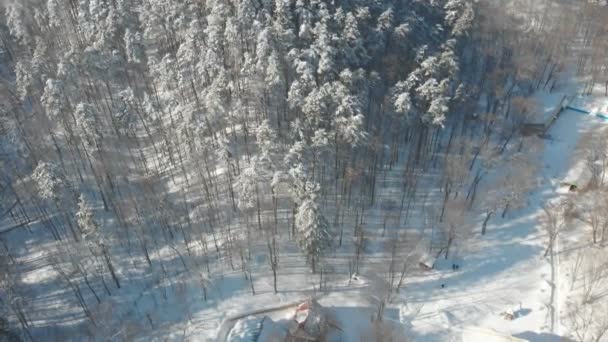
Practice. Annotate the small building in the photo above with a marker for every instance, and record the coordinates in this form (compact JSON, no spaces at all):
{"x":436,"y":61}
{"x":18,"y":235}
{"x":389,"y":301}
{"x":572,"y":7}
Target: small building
{"x":544,"y":122}
{"x":528,"y":129}
{"x":579,"y":177}
{"x":509,"y":315}
{"x":426,"y":262}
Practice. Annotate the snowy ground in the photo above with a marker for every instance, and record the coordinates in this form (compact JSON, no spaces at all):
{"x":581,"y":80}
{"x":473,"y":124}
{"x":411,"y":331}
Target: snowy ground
{"x":503,"y":270}
{"x":506,"y":269}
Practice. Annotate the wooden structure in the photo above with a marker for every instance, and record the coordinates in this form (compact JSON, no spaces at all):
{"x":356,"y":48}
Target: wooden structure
{"x":578,"y":178}
{"x":541,"y":128}
{"x":426,"y":262}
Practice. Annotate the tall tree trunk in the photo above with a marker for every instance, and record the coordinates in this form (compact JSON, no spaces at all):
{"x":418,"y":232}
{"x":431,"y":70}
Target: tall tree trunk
{"x":110,"y":266}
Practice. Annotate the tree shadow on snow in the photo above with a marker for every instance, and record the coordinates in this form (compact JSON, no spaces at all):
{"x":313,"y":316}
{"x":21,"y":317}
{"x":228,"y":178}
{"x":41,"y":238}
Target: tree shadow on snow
{"x":541,"y":337}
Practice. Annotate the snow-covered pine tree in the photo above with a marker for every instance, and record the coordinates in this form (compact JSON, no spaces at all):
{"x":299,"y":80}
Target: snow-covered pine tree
{"x":257,"y":173}
{"x":49,"y":181}
{"x":93,"y":235}
{"x":312,"y":228}
{"x":88,"y":225}
{"x":87,"y":127}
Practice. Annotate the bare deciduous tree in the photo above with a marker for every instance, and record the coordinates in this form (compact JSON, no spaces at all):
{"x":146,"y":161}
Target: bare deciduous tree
{"x":552,"y":221}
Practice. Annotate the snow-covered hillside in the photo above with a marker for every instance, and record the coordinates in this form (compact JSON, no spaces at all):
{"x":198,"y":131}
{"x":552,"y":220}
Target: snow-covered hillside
{"x":196,"y":170}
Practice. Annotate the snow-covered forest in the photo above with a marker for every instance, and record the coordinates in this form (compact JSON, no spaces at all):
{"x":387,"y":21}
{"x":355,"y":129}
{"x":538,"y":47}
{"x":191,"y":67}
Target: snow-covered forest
{"x":167,"y":167}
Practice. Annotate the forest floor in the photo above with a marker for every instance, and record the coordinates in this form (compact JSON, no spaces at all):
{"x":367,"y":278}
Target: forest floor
{"x":504,"y":270}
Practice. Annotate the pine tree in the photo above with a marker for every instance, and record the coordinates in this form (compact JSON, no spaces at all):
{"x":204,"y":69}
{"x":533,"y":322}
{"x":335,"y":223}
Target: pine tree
{"x":135,"y":49}
{"x":50,"y":182}
{"x":312,"y":228}
{"x":93,"y":235}
{"x":54,"y":100}
{"x":91,"y":232}
{"x":88,"y":129}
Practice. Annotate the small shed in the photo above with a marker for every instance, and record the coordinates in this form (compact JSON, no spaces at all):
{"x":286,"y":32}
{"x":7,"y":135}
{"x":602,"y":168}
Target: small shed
{"x":509,"y":315}
{"x":543,"y":122}
{"x":426,"y":262}
{"x":577,"y":178}
{"x":528,"y":129}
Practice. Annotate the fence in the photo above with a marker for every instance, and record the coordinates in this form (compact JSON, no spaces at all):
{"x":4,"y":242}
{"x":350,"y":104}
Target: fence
{"x":583,"y":111}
